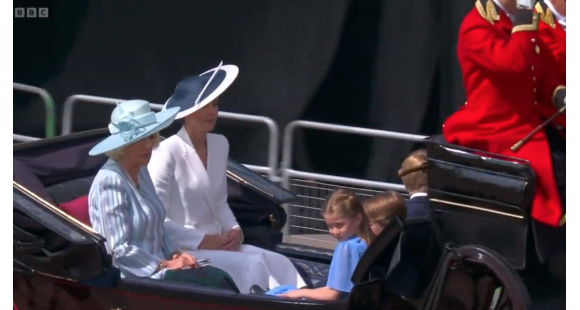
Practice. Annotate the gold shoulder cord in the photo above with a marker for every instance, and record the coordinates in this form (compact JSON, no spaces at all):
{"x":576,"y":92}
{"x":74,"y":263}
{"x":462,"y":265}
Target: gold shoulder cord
{"x":488,"y":13}
{"x":546,"y":16}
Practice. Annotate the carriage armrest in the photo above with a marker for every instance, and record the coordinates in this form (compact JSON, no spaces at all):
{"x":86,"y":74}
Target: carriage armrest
{"x":480,"y":159}
{"x":305,"y":252}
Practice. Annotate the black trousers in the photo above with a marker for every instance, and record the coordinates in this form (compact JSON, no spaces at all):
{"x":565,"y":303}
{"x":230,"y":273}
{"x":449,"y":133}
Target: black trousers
{"x":557,"y":145}
{"x":551,"y":241}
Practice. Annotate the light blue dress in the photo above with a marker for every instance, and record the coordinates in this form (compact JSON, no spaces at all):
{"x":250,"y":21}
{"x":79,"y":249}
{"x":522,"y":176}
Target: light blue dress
{"x":344,"y":261}
{"x":131,"y":220}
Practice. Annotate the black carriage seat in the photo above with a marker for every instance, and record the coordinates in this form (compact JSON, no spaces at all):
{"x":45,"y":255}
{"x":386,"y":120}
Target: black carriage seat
{"x":481,"y":198}
{"x":312,"y":263}
{"x":314,"y":274}
{"x":70,"y":190}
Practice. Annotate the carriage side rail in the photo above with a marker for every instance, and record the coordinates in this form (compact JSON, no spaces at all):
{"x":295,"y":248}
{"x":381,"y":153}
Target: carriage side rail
{"x":23,"y":138}
{"x":271,"y":170}
{"x":50,"y":126}
{"x":287,"y":173}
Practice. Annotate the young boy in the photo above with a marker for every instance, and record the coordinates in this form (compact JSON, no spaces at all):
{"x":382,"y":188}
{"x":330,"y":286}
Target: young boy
{"x":413,"y":172}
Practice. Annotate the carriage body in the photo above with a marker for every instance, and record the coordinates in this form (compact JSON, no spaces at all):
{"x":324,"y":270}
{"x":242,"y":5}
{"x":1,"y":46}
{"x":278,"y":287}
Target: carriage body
{"x":479,"y":224}
{"x":481,"y":205}
{"x":478,"y":249}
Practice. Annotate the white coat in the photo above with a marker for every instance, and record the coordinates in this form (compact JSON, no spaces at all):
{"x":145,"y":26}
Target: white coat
{"x":196,"y":204}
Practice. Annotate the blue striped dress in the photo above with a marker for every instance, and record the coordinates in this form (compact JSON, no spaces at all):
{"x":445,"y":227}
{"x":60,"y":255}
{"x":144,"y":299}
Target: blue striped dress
{"x":131,"y":219}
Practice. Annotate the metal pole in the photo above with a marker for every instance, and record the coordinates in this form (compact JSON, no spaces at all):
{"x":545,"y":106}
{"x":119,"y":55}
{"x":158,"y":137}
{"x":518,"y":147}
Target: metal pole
{"x":67,"y":112}
{"x":273,"y":139}
{"x":49,"y":108}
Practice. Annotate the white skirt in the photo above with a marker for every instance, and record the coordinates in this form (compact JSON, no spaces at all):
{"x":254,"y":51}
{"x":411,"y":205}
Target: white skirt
{"x":253,"y":265}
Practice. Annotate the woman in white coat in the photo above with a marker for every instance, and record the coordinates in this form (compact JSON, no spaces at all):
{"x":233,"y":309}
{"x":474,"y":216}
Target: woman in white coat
{"x":189,"y":173}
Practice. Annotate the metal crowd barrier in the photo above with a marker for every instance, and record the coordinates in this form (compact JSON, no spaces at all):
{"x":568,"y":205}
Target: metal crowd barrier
{"x":312,"y":188}
{"x":271,"y":170}
{"x":48,"y":105}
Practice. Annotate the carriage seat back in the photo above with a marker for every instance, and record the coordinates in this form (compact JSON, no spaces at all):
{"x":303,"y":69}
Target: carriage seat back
{"x":414,"y":260}
{"x":70,"y":190}
{"x":481,"y":198}
{"x":72,"y":197}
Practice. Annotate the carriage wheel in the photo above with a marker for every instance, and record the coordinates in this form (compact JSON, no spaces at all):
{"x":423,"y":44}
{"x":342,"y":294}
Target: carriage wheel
{"x":475,"y":277}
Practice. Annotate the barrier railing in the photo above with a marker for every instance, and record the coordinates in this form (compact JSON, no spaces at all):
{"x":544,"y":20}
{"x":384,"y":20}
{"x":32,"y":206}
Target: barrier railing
{"x":271,"y":170}
{"x":23,"y":138}
{"x":314,"y":186}
{"x":49,"y":108}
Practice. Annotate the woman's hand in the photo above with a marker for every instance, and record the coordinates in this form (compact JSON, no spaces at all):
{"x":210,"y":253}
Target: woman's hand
{"x":181,"y":261}
{"x":189,"y":259}
{"x":233,"y":240}
{"x":212,"y":242}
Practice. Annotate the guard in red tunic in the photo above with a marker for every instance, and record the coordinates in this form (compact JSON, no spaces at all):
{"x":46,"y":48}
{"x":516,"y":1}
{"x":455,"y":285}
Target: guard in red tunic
{"x":552,"y":40}
{"x":504,"y":78}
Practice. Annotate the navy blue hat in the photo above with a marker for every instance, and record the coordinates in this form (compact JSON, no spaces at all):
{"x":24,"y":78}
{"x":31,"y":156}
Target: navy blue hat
{"x":194,"y":92}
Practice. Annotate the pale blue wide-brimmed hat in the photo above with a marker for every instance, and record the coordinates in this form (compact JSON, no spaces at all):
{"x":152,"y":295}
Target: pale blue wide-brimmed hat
{"x":132,"y":121}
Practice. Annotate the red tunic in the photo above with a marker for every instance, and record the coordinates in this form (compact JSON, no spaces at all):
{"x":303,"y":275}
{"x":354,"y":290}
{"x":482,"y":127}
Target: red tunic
{"x":552,"y":40}
{"x":504,"y":79}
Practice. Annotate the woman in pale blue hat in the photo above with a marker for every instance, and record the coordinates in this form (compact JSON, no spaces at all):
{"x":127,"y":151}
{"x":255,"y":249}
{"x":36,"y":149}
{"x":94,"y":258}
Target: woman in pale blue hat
{"x":189,"y":173}
{"x":124,"y":208}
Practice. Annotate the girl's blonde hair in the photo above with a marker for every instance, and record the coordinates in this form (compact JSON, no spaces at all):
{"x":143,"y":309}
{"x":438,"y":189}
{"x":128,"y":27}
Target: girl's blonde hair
{"x":413,"y":172}
{"x":117,"y":154}
{"x":345,"y":203}
{"x":383,"y":207}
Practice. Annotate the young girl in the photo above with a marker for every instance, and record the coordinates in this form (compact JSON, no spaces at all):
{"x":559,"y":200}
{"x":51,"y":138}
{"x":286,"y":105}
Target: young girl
{"x":344,"y":215}
{"x":381,"y":208}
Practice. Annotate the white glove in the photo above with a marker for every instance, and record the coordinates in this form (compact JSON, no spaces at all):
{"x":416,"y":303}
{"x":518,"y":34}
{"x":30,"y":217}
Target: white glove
{"x":526,"y":4}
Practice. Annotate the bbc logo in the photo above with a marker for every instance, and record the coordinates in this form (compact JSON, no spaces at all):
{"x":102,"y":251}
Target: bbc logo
{"x":30,"y":12}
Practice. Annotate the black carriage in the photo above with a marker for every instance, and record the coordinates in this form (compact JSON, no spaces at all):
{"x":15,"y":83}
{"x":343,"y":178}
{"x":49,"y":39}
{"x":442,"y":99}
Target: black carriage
{"x":478,"y":249}
{"x":481,"y":222}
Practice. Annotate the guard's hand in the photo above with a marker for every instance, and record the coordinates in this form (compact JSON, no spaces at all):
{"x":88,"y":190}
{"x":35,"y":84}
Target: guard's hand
{"x":564,"y":101}
{"x":559,"y":99}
